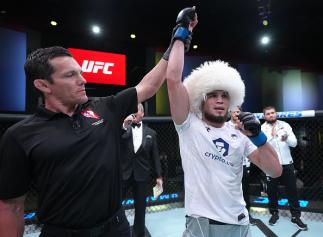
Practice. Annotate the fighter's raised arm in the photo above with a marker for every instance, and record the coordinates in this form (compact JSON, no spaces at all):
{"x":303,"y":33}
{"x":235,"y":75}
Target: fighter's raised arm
{"x":182,"y":33}
{"x":178,"y":97}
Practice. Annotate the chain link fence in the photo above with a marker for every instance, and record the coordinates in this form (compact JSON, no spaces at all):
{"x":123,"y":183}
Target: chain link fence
{"x":308,"y":161}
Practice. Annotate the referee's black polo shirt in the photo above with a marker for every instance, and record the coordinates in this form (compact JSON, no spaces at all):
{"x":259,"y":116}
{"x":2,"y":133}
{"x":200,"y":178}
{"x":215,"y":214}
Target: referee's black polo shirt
{"x":73,"y":161}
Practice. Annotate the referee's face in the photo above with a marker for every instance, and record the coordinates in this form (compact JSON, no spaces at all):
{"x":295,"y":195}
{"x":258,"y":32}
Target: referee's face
{"x":68,"y":86}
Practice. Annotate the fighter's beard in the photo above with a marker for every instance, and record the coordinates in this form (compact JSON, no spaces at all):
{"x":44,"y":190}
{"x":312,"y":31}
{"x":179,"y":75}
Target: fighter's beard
{"x":215,"y":119}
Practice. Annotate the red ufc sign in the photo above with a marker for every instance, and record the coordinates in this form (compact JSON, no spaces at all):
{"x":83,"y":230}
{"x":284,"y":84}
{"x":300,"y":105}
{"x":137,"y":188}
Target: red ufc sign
{"x":101,"y":67}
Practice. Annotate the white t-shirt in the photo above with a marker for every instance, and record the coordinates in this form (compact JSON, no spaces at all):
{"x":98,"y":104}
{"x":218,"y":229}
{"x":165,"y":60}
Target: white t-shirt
{"x":246,"y":161}
{"x":212,"y":181}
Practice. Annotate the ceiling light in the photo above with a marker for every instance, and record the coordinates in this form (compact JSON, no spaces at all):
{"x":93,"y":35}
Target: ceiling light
{"x":132,"y":36}
{"x":53,"y":23}
{"x":265,"y":40}
{"x":195,"y":46}
{"x":96,"y":29}
{"x":265,"y":22}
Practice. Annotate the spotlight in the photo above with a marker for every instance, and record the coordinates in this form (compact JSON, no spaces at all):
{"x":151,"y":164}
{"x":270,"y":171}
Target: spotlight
{"x":132,"y":36}
{"x":195,"y":46}
{"x":53,"y":23}
{"x":96,"y":29}
{"x":265,"y":40}
{"x":264,"y":11}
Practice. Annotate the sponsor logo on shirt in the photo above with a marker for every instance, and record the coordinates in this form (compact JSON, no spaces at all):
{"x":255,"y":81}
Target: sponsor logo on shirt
{"x":222,"y":146}
{"x":217,"y":158}
{"x":89,"y":113}
{"x":97,"y":122}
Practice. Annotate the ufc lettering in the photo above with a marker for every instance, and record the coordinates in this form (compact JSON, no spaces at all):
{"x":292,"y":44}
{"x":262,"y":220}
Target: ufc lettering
{"x":95,"y":66}
{"x":101,"y":67}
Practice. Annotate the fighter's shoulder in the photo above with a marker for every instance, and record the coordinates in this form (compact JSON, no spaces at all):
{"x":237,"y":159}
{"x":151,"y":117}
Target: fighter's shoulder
{"x":190,"y":119}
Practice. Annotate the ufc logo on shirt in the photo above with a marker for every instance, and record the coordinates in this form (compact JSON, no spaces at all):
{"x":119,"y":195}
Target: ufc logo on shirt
{"x":101,"y":67}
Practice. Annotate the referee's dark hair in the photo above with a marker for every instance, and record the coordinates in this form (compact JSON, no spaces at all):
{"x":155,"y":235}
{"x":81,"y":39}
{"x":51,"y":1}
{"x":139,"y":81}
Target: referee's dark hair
{"x":38,"y":65}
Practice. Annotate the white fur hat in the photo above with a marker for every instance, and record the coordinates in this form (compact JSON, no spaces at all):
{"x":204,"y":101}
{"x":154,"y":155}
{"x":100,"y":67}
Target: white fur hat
{"x":211,"y":76}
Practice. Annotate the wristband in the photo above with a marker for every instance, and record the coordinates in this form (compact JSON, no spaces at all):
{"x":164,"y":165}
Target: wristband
{"x":181,"y":33}
{"x":259,"y":140}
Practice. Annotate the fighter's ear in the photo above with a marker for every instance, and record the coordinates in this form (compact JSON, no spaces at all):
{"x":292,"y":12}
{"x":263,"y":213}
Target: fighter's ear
{"x":42,"y":85}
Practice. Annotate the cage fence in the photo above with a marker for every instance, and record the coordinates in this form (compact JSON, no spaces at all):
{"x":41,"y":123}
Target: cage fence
{"x":307,"y":155}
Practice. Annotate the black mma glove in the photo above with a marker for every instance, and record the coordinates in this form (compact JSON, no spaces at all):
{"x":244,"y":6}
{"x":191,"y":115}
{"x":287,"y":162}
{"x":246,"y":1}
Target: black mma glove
{"x":181,"y":31}
{"x":251,"y":124}
{"x":185,"y":17}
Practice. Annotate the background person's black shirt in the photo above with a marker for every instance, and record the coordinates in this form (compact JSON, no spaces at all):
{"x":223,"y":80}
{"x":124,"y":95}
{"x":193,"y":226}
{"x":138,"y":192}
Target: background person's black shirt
{"x":73,"y":161}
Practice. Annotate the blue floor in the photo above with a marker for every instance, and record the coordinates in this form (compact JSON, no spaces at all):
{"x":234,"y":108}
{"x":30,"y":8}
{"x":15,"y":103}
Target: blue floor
{"x":171,"y":223}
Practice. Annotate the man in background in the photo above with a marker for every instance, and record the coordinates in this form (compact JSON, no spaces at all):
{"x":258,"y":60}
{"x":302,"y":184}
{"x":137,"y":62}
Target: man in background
{"x":280,"y":135}
{"x":140,"y":163}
